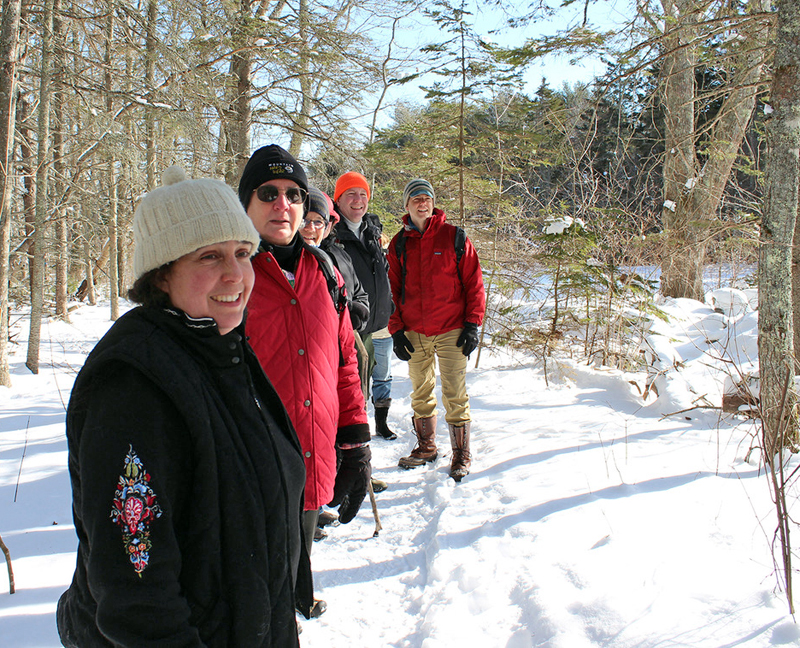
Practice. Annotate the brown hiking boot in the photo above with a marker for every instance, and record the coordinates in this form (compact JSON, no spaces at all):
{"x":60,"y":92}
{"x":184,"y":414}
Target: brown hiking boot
{"x":462,"y":459}
{"x":425,"y":450}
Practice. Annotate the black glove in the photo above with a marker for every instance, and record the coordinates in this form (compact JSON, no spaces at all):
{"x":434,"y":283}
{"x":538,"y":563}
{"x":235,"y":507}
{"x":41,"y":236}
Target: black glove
{"x":359,"y":314}
{"x":352,"y":480}
{"x":402,"y":347}
{"x":468,"y":340}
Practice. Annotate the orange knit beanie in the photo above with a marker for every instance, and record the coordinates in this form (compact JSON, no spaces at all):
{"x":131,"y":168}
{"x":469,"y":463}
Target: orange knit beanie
{"x":348,"y":181}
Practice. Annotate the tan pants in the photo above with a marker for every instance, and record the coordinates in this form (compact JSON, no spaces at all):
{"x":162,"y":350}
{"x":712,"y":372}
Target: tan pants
{"x":452,"y":372}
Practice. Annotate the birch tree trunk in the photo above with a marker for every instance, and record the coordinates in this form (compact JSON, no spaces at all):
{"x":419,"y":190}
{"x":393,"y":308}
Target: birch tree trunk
{"x":9,"y":41}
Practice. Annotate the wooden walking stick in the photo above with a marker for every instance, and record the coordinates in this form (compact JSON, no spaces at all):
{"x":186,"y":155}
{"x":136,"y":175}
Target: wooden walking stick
{"x":6,"y":553}
{"x":372,"y":501}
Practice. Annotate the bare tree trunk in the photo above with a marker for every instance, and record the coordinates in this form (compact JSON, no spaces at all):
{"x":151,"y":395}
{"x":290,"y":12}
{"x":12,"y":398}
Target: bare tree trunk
{"x":89,"y":270}
{"x":60,"y":215}
{"x":302,"y":116}
{"x":775,"y":319}
{"x":692,"y":194}
{"x":679,"y":272}
{"x":113,"y":261}
{"x":149,"y":82}
{"x":25,"y":134}
{"x":461,"y":122}
{"x":796,"y":284}
{"x":5,"y":252}
{"x":240,"y":116}
{"x":777,"y":366}
{"x":43,"y":166}
{"x":9,"y":41}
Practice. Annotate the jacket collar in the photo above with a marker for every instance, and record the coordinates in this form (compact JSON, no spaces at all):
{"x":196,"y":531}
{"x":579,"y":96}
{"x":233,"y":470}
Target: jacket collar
{"x":287,"y":256}
{"x":201,"y":335}
{"x":436,"y":219}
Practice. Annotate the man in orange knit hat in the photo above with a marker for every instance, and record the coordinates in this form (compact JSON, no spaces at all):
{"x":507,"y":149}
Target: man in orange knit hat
{"x":359,"y":232}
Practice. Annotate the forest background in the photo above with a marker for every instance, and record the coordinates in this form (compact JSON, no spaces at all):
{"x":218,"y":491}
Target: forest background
{"x":683,"y":152}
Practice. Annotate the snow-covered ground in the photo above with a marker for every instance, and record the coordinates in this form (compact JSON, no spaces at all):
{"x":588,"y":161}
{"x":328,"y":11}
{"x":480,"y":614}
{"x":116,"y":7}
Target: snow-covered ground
{"x":590,"y":518}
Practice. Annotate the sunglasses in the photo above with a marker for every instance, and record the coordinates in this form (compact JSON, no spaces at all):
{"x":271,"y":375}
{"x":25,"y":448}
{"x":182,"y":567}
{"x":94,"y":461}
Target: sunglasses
{"x":294,"y":195}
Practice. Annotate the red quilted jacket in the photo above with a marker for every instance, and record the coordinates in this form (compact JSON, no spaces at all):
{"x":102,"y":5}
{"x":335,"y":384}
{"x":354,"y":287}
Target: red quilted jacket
{"x":433,"y":299}
{"x":297,"y":336}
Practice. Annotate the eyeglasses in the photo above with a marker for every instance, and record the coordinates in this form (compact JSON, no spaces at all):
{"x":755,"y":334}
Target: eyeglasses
{"x":294,"y":195}
{"x":314,"y":224}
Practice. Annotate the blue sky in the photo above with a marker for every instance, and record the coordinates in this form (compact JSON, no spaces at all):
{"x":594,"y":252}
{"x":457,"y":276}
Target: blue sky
{"x":490,"y":23}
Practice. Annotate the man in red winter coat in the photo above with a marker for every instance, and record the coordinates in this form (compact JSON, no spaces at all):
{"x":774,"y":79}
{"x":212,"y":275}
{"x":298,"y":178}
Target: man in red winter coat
{"x":439,"y":305}
{"x":303,"y":342}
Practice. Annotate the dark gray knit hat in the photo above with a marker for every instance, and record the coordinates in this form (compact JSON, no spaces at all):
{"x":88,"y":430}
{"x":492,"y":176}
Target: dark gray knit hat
{"x":416,"y":187}
{"x":318,"y":202}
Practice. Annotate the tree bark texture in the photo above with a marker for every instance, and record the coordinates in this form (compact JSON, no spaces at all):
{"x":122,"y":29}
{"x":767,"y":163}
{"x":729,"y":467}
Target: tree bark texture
{"x":239,"y":112}
{"x":59,"y":209}
{"x":43,"y":166}
{"x":775,"y":320}
{"x":9,"y":46}
{"x":679,"y":274}
{"x":692,"y":193}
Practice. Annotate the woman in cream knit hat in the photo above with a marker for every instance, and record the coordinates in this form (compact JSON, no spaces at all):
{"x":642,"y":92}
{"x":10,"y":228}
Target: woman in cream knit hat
{"x":187,"y":475}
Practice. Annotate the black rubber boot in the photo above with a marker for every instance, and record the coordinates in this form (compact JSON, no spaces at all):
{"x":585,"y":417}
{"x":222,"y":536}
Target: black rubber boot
{"x":381,"y":412}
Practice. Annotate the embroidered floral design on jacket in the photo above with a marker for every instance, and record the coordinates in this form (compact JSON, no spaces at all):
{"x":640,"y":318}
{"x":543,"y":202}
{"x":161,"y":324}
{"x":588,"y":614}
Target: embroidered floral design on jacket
{"x":134,"y":509}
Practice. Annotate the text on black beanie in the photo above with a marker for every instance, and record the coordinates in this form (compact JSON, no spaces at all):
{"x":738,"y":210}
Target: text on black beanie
{"x":269,"y":163}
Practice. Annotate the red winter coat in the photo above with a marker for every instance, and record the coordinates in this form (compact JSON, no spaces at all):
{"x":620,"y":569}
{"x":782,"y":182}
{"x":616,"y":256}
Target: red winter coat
{"x":433,"y":300}
{"x":297,"y":336}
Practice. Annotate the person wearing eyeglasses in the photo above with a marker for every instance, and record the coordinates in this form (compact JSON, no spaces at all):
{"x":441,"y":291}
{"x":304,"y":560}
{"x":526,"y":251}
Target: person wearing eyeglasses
{"x":304,"y":343}
{"x":317,"y":224}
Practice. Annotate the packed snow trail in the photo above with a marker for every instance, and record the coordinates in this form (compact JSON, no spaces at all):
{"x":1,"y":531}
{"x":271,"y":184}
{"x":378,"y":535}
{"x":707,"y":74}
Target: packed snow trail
{"x":590,"y":518}
{"x":562,"y":535}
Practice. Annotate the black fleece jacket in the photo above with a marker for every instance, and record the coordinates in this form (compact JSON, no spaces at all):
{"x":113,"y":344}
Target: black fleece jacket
{"x":187,"y":482}
{"x":369,"y":262}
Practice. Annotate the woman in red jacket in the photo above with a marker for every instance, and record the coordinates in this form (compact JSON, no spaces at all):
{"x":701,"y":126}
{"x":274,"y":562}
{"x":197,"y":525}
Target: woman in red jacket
{"x":439,"y":304}
{"x":304,"y":342}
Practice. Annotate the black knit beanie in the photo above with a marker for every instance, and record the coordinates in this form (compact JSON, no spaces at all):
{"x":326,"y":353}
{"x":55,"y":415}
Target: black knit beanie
{"x":269,"y":163}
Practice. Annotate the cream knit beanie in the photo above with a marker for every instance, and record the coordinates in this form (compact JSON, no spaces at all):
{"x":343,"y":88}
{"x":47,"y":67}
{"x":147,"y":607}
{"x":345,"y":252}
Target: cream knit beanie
{"x":183,"y":215}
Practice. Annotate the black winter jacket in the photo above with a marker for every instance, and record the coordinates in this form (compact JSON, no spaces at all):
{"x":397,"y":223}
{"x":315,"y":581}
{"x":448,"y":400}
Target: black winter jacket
{"x":187,"y":481}
{"x":369,"y":262}
{"x":357,"y":297}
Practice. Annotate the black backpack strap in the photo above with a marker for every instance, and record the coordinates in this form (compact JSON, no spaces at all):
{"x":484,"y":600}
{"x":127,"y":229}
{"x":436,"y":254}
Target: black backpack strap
{"x":400,"y":251}
{"x":327,"y":268}
{"x":460,"y":244}
{"x":337,"y":294}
